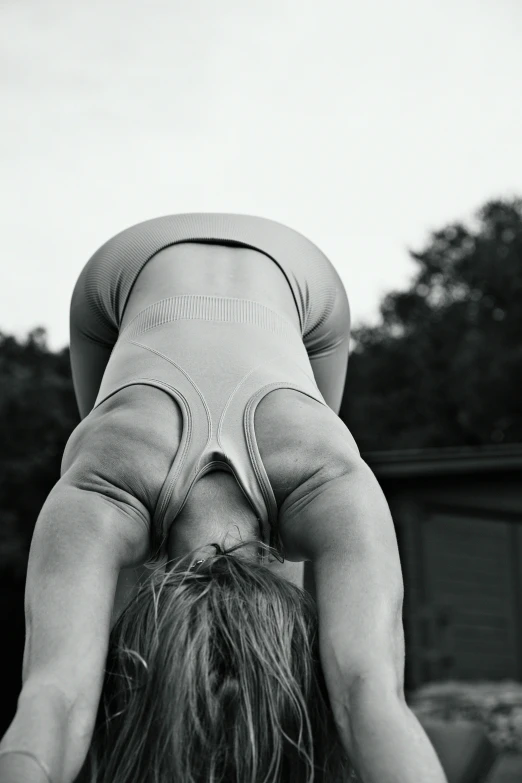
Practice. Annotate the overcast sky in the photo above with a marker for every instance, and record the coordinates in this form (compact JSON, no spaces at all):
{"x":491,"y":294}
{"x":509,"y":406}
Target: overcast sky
{"x":363,"y":125}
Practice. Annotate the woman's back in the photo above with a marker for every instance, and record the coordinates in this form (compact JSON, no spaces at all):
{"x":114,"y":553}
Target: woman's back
{"x":209,"y":336}
{"x":215,"y":270}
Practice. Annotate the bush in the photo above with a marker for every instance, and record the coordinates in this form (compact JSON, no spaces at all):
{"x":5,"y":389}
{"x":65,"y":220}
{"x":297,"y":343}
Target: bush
{"x":497,"y":706}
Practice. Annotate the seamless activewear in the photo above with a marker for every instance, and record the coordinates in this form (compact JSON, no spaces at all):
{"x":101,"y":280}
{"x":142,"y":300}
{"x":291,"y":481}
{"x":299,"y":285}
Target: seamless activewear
{"x":216,"y":356}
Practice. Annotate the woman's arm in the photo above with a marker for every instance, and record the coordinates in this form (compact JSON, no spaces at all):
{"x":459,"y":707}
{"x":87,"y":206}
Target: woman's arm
{"x":340,"y":521}
{"x":81,"y":541}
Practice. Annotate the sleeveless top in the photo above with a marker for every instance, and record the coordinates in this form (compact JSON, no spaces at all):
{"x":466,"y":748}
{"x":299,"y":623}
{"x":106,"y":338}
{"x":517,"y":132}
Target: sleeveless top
{"x":217,"y":357}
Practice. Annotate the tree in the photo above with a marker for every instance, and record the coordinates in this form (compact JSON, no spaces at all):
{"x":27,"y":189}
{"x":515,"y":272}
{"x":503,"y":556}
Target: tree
{"x":444,"y":366}
{"x":37,"y":414}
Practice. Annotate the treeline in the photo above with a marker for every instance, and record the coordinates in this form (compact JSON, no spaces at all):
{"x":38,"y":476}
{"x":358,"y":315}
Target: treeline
{"x":443,"y":368}
{"x":37,"y":414}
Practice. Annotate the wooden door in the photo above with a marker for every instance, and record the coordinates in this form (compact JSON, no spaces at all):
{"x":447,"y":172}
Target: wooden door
{"x":473,"y":566}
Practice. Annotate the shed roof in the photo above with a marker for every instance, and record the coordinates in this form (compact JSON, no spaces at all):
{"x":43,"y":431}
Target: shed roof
{"x":407,"y":463}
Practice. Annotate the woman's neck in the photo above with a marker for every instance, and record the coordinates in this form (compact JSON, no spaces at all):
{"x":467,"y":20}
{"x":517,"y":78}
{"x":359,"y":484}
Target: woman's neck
{"x":216,"y":511}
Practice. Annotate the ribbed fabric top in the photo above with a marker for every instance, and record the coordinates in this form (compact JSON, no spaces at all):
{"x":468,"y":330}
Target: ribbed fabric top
{"x":216,"y":371}
{"x":112,"y":270}
{"x":208,"y":308}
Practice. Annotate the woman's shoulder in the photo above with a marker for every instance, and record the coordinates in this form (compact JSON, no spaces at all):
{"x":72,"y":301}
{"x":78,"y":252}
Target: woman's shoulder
{"x":128,"y":441}
{"x":297,"y":436}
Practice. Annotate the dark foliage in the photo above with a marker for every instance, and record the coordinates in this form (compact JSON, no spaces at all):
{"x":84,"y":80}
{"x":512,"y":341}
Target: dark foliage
{"x":444,"y":366}
{"x":37,"y":414}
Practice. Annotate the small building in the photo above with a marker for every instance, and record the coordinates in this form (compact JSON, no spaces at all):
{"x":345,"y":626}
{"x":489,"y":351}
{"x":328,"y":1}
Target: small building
{"x":458,"y":519}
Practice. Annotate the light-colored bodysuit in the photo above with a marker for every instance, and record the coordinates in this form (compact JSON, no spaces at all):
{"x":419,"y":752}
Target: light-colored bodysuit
{"x":217,"y":356}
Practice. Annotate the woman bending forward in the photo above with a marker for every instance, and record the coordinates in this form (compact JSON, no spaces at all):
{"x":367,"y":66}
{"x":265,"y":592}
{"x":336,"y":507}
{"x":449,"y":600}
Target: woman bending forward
{"x":209,"y":354}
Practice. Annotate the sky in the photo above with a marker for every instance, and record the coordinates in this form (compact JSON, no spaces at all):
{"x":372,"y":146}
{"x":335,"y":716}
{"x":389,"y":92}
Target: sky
{"x":364,"y":126}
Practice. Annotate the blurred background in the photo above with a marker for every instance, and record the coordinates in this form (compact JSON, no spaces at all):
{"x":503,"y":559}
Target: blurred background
{"x":391,"y":136}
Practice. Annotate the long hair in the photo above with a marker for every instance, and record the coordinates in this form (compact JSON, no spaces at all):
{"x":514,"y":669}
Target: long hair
{"x":213,"y":676}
